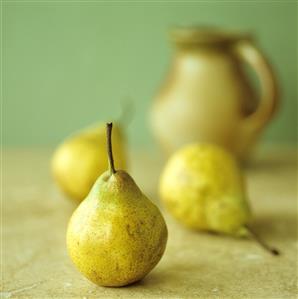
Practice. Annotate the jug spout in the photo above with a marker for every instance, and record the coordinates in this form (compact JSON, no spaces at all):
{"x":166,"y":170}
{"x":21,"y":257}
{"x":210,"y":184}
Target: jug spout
{"x":200,"y":36}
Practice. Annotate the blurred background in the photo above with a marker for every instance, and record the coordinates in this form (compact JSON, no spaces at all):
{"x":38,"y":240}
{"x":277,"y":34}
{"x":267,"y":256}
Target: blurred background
{"x":69,"y":64}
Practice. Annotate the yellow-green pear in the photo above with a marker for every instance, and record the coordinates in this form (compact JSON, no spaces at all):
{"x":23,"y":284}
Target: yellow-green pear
{"x":202,"y":187}
{"x":116,"y":235}
{"x":81,"y":158}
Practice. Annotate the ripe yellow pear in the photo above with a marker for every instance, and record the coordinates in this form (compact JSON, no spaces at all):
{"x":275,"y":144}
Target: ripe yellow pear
{"x":202,"y":187}
{"x":81,"y":158}
{"x":116,"y":235}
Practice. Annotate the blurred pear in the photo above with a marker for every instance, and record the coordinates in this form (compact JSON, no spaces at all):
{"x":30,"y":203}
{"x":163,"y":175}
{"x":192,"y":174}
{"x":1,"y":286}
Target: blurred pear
{"x":202,"y":187}
{"x":82,"y":157}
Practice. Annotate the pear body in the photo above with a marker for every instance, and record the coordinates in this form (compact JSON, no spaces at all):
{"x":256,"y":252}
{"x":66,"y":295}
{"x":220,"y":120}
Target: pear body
{"x":116,"y":235}
{"x":81,"y":158}
{"x":202,"y":187}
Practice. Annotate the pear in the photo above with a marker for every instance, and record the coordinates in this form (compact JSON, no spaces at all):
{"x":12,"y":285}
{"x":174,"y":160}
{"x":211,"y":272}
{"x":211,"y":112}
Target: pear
{"x":203,"y":188}
{"x":81,"y":158}
{"x":116,"y":235}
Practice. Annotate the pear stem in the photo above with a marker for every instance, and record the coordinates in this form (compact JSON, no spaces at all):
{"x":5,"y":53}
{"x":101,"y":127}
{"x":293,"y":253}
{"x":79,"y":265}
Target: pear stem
{"x":261,"y":242}
{"x":109,"y":148}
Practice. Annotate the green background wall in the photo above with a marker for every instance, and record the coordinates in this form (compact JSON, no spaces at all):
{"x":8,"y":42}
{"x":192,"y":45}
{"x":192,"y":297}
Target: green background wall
{"x":68,"y":64}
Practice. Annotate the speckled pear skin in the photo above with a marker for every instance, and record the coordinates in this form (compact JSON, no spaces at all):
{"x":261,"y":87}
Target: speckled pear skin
{"x":117,"y":235}
{"x":82,"y":158}
{"x":202,"y":187}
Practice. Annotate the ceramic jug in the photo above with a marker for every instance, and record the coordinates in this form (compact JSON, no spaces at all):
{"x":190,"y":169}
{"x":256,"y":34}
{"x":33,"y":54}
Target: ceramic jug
{"x":207,"y":95}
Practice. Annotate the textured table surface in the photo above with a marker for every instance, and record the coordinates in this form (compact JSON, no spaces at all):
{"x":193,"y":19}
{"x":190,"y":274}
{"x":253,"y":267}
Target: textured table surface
{"x":35,"y":263}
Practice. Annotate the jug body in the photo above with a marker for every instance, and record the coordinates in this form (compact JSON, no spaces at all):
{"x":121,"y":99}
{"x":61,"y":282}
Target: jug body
{"x":206,"y":97}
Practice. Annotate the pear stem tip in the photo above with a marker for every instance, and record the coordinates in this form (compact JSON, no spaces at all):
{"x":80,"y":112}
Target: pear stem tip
{"x":274,"y":251}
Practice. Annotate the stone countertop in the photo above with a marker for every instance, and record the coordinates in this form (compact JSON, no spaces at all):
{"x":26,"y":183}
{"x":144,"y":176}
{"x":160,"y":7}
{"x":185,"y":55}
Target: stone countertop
{"x":35,"y":263}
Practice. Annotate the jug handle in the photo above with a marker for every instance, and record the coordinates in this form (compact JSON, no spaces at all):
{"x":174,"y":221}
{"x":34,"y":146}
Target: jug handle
{"x":268,"y":103}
